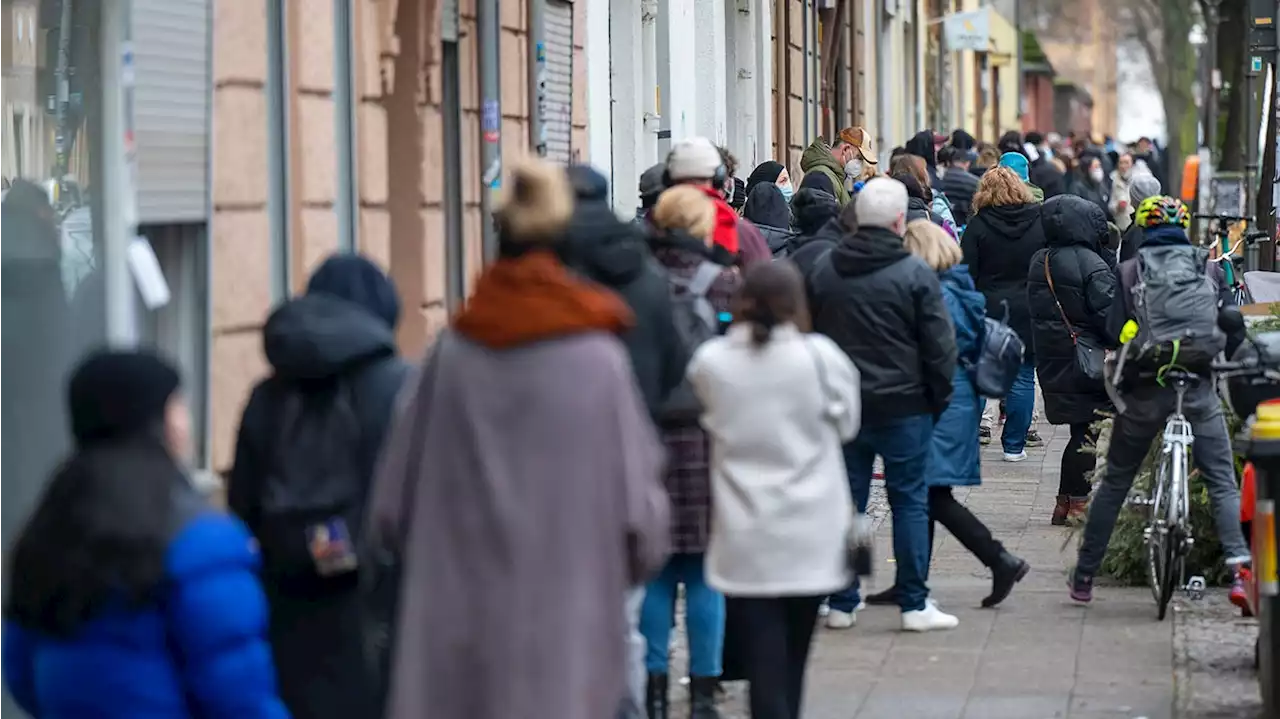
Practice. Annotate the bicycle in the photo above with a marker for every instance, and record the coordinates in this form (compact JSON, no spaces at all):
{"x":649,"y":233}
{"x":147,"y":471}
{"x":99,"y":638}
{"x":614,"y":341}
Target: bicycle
{"x":1221,"y":229}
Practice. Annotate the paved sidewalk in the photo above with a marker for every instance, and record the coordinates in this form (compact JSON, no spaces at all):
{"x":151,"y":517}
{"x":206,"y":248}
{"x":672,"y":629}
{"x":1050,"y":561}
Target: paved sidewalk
{"x":1037,"y":656}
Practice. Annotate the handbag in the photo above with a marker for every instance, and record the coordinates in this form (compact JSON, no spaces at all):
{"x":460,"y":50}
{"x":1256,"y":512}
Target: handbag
{"x":859,"y":540}
{"x":1090,"y":357}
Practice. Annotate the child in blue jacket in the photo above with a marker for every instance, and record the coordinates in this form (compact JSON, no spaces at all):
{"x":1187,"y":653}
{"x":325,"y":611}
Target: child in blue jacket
{"x":128,"y":596}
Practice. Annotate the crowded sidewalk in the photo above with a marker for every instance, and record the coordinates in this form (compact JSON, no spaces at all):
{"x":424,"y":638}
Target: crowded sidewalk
{"x":1037,"y":655}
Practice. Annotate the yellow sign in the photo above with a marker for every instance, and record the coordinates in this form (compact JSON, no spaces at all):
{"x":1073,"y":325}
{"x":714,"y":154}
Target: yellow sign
{"x":1264,"y":548}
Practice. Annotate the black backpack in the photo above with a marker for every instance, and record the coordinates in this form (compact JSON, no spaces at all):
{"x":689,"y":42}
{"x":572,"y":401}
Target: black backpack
{"x":999,"y":358}
{"x":311,"y":505}
{"x":696,"y":322}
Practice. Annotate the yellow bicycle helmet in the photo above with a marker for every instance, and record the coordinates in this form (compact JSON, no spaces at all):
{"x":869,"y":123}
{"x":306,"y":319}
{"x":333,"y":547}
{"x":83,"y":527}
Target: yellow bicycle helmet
{"x":1163,"y":210}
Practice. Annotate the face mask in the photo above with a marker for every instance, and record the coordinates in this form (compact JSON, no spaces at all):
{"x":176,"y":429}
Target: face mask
{"x":1096,"y":174}
{"x":787,"y":191}
{"x":1047,"y":152}
{"x":853,"y":168}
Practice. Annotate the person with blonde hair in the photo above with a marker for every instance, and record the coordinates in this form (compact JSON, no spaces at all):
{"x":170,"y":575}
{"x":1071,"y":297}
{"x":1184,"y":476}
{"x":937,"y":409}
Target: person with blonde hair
{"x":684,"y":223}
{"x":1003,"y":234}
{"x":954,"y":451}
{"x":521,"y":513}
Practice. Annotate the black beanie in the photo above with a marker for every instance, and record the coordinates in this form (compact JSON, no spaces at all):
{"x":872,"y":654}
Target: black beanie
{"x":118,"y":393}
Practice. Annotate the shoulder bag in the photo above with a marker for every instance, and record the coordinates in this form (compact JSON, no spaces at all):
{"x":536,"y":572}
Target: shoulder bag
{"x":1089,"y":355}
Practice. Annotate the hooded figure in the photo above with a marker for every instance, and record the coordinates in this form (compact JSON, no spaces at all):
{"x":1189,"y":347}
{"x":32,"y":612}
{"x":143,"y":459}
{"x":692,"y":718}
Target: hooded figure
{"x":340,"y":334}
{"x":817,"y":222}
{"x":766,"y":172}
{"x":1142,"y":186}
{"x":768,"y":210}
{"x":522,"y":472}
{"x":615,"y":253}
{"x":818,"y":157}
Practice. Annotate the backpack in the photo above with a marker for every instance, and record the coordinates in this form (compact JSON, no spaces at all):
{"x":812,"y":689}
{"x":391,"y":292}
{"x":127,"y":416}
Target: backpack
{"x":1174,"y":299}
{"x":310,"y":507}
{"x":696,"y":322}
{"x":999,"y":358}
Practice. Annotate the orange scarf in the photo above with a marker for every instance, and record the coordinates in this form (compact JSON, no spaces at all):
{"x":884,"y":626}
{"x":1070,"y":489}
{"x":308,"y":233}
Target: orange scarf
{"x":525,"y":299}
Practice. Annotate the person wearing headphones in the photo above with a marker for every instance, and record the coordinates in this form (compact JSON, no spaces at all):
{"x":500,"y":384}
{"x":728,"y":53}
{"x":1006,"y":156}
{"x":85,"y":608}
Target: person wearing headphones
{"x":697,"y":161}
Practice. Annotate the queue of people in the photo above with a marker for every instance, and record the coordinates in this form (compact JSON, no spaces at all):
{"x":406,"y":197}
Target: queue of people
{"x":694,"y":400}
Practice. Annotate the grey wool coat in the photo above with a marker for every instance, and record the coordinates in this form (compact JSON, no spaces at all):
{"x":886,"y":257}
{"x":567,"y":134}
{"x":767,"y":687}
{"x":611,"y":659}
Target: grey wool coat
{"x":522,"y":488}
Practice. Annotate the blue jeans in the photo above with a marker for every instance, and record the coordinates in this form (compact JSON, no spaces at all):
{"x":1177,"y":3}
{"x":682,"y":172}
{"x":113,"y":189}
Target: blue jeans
{"x":704,"y":617}
{"x":904,"y":444}
{"x":1019,"y":405}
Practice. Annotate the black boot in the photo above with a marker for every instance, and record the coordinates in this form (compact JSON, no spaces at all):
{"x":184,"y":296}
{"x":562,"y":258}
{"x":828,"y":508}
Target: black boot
{"x":655,"y":696}
{"x":886,"y":597}
{"x":702,"y":697}
{"x":1008,"y":571}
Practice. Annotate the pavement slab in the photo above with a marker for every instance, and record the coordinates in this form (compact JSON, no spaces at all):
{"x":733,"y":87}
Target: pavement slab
{"x":1038,"y":656}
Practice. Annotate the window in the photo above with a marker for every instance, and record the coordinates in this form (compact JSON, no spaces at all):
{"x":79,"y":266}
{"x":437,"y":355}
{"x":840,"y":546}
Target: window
{"x":558,"y":27}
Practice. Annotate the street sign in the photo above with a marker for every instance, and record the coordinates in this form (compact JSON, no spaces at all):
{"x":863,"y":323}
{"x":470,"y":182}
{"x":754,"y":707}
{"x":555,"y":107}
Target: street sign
{"x":968,"y":30}
{"x":1255,"y":65}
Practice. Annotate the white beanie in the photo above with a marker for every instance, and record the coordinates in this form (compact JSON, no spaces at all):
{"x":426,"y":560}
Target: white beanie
{"x":693,"y":158}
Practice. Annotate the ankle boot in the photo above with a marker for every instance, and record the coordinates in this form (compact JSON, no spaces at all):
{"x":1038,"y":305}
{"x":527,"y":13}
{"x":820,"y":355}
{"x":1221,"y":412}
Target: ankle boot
{"x":1008,"y":571}
{"x":1077,"y":510}
{"x":702,"y":697}
{"x":655,"y":696}
{"x":1061,"y":507}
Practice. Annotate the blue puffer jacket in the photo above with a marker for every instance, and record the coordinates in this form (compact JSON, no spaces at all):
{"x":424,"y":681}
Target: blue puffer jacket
{"x":199,"y":652}
{"x":954,"y":455}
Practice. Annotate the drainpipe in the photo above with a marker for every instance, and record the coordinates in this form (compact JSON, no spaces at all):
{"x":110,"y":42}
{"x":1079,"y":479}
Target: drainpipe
{"x":344,"y":126}
{"x":455,"y":254}
{"x":278,"y":146}
{"x":487,"y":32}
{"x":537,"y":68}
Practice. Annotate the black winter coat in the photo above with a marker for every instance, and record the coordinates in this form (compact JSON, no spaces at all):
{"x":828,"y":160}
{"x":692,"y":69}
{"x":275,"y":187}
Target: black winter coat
{"x":1130,"y":241}
{"x":884,"y":307}
{"x":808,"y":250}
{"x":1084,"y":282}
{"x":317,"y":635}
{"x":768,"y":211}
{"x":1082,"y":186}
{"x":1048,"y":178}
{"x":616,"y":254}
{"x":998,"y":245}
{"x":959,"y":186}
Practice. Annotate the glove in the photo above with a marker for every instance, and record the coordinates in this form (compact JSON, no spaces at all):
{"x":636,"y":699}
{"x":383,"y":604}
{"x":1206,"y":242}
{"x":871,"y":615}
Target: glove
{"x":1129,"y":331}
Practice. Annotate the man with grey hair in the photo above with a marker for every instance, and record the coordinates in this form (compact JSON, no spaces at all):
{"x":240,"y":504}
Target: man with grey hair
{"x":1142,"y":186}
{"x":884,"y":307}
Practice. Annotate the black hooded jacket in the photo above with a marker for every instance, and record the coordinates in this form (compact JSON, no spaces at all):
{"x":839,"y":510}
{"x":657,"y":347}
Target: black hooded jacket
{"x":616,"y":254}
{"x":341,"y":331}
{"x":1084,"y":282}
{"x":817,"y":221}
{"x":959,"y":185}
{"x":884,"y":307}
{"x":998,"y":244}
{"x":1047,"y":177}
{"x":921,"y":145}
{"x":768,"y":210}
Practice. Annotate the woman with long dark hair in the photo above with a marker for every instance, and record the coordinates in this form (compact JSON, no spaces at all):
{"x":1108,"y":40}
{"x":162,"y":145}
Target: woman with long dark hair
{"x":128,"y":595}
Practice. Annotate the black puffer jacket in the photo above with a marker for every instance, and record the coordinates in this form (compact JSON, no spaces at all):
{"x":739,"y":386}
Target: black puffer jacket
{"x":959,"y":185}
{"x":817,"y":221}
{"x":1084,"y":282}
{"x":616,"y":254}
{"x":884,"y":307}
{"x":998,"y":245}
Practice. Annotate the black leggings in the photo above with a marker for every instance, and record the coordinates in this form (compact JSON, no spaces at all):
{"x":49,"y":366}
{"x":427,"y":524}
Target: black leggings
{"x":963,"y":525}
{"x":1078,"y":461}
{"x":776,"y":633}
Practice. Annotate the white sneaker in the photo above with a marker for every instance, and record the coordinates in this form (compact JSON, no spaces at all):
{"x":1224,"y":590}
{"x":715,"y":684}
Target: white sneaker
{"x":928,"y":619}
{"x":837,"y":619}
{"x":1015,"y":457}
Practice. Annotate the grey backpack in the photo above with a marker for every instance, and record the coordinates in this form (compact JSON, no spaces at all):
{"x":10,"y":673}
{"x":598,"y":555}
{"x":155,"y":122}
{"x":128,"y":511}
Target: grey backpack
{"x":696,"y":322}
{"x":1174,"y":299}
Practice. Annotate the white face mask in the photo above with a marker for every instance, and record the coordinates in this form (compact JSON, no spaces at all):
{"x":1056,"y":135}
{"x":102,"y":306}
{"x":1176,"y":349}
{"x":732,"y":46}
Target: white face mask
{"x":853,"y":168}
{"x":1096,"y":174}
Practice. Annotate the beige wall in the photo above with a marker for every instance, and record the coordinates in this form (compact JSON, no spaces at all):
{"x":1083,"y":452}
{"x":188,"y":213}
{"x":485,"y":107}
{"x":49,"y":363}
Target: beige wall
{"x":399,"y":160}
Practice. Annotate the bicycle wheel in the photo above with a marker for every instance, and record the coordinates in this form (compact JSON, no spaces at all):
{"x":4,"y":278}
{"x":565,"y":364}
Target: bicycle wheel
{"x":1155,"y":533}
{"x":1175,"y":529}
{"x":1173,"y":560}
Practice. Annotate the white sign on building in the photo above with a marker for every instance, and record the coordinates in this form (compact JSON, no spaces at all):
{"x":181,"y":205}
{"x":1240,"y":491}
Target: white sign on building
{"x":968,"y":30}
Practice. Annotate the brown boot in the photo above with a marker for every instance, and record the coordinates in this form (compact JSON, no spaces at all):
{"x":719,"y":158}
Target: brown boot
{"x":1077,"y":510}
{"x":1061,"y":507}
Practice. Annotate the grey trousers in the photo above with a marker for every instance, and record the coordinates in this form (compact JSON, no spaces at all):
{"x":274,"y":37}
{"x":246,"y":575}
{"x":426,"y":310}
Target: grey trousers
{"x":633,"y":703}
{"x":1131,"y":438}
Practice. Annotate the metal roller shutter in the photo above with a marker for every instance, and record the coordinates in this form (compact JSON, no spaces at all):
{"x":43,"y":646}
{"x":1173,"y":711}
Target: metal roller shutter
{"x":558,"y":26}
{"x":171,"y":109}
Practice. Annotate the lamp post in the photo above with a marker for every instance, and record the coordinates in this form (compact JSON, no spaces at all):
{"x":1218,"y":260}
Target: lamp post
{"x":1214,"y":79}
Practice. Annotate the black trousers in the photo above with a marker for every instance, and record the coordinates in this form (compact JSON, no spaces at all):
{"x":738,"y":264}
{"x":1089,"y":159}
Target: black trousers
{"x":1077,"y":463}
{"x":966,"y":528}
{"x":775,"y":634}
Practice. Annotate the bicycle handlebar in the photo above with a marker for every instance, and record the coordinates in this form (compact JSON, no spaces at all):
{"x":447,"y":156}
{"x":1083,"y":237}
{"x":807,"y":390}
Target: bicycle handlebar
{"x":1231,"y":218}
